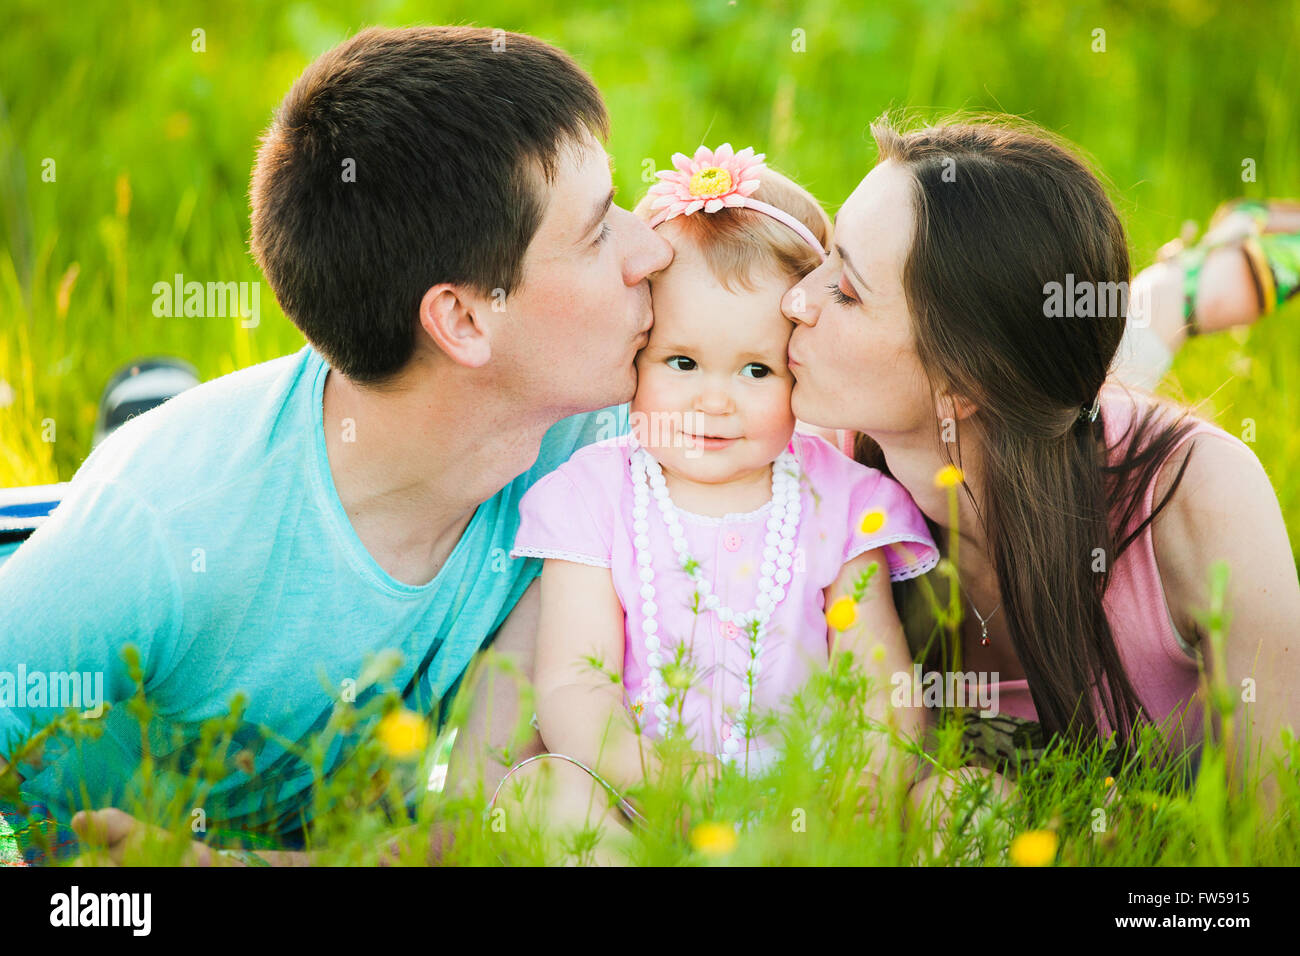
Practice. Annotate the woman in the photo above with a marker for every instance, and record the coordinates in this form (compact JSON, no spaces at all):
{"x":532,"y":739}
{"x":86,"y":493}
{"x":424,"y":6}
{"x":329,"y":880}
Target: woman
{"x":1088,"y":519}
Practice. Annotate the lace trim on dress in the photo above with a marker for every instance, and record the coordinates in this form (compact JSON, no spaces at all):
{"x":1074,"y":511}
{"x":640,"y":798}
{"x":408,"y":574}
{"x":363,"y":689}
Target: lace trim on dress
{"x":906,"y":573}
{"x":560,"y":555}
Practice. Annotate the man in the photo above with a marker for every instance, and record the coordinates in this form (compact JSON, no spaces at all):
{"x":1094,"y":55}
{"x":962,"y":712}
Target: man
{"x":432,"y":208}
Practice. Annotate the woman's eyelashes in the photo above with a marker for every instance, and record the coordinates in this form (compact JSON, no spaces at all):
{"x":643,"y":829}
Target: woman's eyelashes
{"x":683,"y":363}
{"x":603,"y":235}
{"x":840,"y":295}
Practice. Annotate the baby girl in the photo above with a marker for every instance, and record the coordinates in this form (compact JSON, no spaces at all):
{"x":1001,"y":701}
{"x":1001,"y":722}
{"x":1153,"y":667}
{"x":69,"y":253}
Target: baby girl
{"x":694,"y":559}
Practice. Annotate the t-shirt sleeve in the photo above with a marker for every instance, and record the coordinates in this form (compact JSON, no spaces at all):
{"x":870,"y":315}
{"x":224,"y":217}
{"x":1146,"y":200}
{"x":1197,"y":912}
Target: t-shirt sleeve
{"x":882,"y":514}
{"x":566,"y":515}
{"x":94,"y":578}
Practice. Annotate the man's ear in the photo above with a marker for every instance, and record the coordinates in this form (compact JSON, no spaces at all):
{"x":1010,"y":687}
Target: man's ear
{"x":451,"y":318}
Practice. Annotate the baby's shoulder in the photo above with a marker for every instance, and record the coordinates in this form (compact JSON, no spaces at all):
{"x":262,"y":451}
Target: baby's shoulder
{"x":599,"y":461}
{"x":826,"y":465}
{"x":597,"y":470}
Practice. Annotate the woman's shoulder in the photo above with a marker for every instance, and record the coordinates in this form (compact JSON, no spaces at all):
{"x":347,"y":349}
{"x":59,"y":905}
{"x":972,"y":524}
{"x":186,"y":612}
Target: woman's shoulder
{"x":1215,"y":492}
{"x":1218,"y":452}
{"x":1124,"y":408}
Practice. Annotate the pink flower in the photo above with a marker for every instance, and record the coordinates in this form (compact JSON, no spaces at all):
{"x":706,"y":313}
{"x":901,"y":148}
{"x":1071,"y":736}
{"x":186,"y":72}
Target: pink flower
{"x":710,"y":180}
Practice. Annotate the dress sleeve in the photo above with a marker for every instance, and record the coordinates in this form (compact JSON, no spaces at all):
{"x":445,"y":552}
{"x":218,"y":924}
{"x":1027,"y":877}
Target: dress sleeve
{"x":560,"y":517}
{"x":882,"y":514}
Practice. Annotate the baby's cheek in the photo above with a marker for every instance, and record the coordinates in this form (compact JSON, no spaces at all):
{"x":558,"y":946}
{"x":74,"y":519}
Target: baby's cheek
{"x":773,"y":412}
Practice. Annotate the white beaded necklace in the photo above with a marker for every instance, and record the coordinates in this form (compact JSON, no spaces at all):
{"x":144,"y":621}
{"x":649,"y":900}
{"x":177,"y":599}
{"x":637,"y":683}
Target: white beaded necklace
{"x":778,"y":548}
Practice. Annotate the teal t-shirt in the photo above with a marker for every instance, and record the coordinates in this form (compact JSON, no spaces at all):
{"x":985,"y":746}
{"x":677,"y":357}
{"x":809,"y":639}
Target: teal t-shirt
{"x":208,"y":533}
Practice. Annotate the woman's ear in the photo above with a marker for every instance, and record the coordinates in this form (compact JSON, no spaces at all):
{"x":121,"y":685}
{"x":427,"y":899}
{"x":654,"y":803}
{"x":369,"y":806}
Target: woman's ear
{"x":953,"y":407}
{"x":450,"y":317}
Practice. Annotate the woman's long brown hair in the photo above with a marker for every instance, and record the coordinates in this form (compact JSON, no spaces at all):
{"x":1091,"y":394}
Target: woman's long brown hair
{"x":1001,"y":211}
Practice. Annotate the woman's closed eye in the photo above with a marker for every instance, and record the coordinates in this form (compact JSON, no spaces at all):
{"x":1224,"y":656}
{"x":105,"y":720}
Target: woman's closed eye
{"x":840,"y":295}
{"x":680,"y":362}
{"x":603,"y":235}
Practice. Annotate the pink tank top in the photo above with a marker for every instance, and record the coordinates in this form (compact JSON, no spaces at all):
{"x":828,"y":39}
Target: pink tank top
{"x":1162,"y":668}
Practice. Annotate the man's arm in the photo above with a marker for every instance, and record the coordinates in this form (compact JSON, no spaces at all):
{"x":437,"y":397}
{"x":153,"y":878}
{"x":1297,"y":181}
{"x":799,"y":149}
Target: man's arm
{"x":95,"y":578}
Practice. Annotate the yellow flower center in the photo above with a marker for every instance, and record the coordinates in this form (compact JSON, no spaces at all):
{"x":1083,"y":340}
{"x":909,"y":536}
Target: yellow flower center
{"x":710,"y":183}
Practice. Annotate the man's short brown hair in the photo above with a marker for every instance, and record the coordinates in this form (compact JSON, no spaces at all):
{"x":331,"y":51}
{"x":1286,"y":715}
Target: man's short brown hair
{"x":403,"y":158}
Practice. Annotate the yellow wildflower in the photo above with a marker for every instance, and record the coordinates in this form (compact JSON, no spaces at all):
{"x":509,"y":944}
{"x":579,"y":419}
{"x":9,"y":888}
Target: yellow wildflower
{"x":949,"y":476}
{"x":842,"y":613}
{"x":403,"y":734}
{"x":1034,"y":848}
{"x":1110,"y":781}
{"x":713,"y":839}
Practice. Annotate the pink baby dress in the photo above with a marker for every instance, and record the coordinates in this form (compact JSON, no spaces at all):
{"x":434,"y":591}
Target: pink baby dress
{"x":583,"y":512}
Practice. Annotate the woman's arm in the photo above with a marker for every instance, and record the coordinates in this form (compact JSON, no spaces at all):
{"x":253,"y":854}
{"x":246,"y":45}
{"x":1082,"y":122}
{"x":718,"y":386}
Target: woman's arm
{"x":580,"y":708}
{"x":1226,"y":510}
{"x":877,"y":626}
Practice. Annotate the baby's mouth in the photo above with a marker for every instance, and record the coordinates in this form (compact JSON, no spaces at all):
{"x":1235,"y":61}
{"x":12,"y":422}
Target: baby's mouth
{"x":707,"y":441}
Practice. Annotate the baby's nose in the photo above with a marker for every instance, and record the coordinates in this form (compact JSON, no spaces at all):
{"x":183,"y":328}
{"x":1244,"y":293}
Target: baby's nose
{"x":713,"y":401}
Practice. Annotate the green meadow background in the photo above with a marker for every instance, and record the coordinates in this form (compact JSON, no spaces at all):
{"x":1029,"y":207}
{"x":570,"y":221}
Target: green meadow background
{"x":153,"y":142}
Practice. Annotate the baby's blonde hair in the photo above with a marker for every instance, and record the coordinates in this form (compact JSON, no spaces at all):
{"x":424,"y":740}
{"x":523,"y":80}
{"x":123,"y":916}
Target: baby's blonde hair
{"x":739,"y":243}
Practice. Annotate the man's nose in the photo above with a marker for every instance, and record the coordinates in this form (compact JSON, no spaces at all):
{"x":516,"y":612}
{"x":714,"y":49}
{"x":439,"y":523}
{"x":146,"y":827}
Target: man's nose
{"x":650,"y":253}
{"x":798,"y":307}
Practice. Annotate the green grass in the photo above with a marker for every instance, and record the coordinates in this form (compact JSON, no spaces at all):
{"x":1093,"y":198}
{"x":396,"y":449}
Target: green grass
{"x":1091,"y":806}
{"x":153,"y":143}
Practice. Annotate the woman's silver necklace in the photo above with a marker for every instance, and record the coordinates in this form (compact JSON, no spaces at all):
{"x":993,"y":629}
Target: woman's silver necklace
{"x":984,"y":621}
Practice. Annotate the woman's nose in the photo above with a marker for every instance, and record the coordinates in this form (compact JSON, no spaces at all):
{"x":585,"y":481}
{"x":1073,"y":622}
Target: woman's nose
{"x":796,"y":307}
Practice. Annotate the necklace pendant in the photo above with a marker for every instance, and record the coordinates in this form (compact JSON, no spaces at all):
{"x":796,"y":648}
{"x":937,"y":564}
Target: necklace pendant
{"x":984,"y":636}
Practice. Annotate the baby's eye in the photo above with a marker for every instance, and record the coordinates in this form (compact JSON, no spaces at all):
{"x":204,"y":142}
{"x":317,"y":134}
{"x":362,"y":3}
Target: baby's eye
{"x":681,"y":363}
{"x":760,"y":370}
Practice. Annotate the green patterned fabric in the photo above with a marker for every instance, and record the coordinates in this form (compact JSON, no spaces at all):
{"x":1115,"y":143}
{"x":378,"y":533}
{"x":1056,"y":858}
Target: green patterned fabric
{"x":1282,"y":252}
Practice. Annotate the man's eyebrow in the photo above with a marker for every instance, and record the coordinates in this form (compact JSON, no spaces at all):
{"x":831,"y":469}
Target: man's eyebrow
{"x":601,"y":210}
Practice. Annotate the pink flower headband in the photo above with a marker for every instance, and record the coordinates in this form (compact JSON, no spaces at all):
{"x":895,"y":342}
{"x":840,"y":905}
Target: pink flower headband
{"x":713,"y":180}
